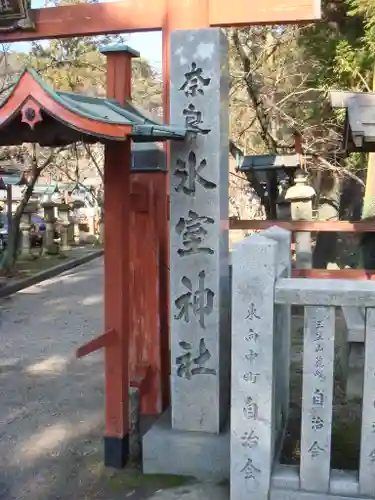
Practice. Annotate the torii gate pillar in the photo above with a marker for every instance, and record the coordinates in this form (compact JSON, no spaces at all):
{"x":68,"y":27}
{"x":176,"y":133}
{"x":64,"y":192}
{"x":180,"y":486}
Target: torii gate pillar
{"x":117,"y":276}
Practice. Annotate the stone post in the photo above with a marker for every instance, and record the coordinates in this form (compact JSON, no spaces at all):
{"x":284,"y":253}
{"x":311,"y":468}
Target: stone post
{"x":199,"y":235}
{"x":64,"y":243}
{"x":317,"y":395}
{"x":71,"y":230}
{"x":282,"y":340}
{"x":25,"y":238}
{"x":75,"y":205}
{"x":254,"y":361}
{"x":101,"y":228}
{"x":1,"y":236}
{"x":25,"y":226}
{"x":366,"y":462}
{"x":300,"y":196}
{"x":63,"y":211}
{"x":49,"y":244}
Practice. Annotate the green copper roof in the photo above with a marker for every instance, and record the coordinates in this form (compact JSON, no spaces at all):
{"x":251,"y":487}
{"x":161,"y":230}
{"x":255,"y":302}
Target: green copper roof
{"x":11,"y":180}
{"x":119,"y":47}
{"x":110,"y":111}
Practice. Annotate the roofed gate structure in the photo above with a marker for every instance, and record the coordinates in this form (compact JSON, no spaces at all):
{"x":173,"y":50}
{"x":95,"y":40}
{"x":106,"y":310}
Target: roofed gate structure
{"x":168,"y":16}
{"x":33,"y":112}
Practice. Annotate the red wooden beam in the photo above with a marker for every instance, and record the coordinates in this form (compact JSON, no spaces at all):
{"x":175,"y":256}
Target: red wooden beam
{"x":245,"y":12}
{"x":140,"y":15}
{"x":92,"y":19}
{"x":304,"y":226}
{"x":105,"y":340}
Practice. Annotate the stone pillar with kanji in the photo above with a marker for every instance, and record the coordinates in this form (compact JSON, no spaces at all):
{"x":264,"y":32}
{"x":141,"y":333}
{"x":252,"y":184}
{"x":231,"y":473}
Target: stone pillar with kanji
{"x":199,"y":231}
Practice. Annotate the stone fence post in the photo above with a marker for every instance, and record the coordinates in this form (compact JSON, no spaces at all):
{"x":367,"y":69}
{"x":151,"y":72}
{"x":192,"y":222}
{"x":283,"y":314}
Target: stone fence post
{"x":282,"y":332}
{"x":49,"y":244}
{"x":300,"y":196}
{"x":25,"y":238}
{"x":260,"y":361}
{"x":63,"y":212}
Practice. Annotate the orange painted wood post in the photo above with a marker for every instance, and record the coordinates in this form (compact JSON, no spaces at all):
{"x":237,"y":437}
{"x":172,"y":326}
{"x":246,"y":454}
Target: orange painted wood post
{"x":161,"y":222}
{"x":145,"y":356}
{"x":117,"y":267}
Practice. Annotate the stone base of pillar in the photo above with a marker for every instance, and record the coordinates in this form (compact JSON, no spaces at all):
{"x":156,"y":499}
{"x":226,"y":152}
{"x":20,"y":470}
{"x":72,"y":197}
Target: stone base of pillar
{"x":201,"y":455}
{"x":116,"y":451}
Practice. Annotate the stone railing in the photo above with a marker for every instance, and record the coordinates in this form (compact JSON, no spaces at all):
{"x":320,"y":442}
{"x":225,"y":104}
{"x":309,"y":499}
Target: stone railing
{"x":262,"y":296}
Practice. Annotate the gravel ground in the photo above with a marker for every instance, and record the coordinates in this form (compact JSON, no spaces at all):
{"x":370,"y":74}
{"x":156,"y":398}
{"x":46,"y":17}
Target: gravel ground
{"x":51,"y":405}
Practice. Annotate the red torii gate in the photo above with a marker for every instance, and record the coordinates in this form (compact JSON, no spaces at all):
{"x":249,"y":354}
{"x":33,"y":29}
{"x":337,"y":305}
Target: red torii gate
{"x":135,"y":16}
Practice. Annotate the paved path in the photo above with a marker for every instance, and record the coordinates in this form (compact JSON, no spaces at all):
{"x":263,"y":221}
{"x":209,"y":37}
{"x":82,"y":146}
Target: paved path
{"x":51,"y":405}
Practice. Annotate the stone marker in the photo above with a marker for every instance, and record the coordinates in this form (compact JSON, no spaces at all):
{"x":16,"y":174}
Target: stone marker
{"x":317,"y":394}
{"x":254,"y":270}
{"x":199,"y":235}
{"x":25,"y":238}
{"x":367,"y":457}
{"x":282,"y":329}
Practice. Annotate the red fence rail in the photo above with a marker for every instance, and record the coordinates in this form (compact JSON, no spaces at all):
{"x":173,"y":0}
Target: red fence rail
{"x":314,"y":226}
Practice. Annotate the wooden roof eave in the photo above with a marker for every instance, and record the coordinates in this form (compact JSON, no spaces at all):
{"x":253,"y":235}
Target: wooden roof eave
{"x":29,"y":88}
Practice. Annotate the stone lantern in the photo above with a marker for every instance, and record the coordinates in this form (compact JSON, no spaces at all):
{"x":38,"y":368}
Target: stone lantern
{"x":25,"y":226}
{"x":300,"y":196}
{"x":50,"y":245}
{"x":63,"y":214}
{"x":30,"y":208}
{"x":25,"y":238}
{"x":75,"y":205}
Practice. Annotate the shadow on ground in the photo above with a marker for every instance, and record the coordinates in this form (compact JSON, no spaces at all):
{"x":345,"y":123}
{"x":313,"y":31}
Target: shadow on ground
{"x":52,"y":405}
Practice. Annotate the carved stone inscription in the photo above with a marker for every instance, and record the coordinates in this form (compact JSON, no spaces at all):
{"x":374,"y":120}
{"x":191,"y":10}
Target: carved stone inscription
{"x":318,"y":361}
{"x":252,"y":438}
{"x":199,"y":251}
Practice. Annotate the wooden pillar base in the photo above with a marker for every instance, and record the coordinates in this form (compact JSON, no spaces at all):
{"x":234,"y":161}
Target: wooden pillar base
{"x":116,"y":451}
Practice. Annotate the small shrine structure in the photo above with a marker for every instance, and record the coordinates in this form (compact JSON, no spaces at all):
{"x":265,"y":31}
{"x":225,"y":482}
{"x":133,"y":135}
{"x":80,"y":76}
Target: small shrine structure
{"x":33,"y":112}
